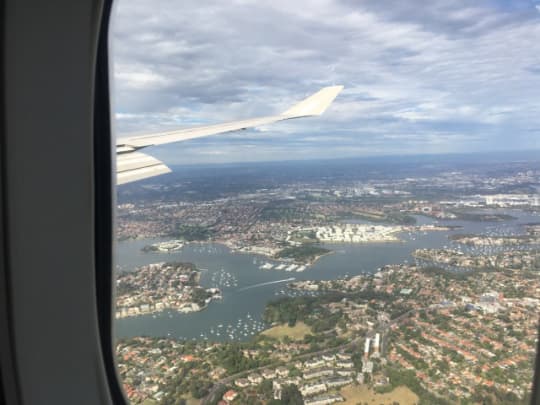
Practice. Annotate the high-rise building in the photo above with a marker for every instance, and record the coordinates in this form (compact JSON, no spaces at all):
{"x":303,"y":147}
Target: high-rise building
{"x":366,"y":348}
{"x":376,"y":343}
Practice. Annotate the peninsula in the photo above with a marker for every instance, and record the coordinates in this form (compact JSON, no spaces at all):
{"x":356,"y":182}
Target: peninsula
{"x":161,"y":286}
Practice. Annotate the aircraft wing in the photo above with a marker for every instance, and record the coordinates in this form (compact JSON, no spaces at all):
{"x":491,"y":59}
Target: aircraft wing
{"x":132,"y":165}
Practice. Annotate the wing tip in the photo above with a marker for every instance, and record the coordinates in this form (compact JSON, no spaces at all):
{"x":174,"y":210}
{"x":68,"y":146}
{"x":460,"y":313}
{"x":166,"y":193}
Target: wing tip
{"x":316,"y":104}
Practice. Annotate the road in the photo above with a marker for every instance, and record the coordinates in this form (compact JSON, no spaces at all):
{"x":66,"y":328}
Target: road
{"x":227,"y":380}
{"x":382,"y":330}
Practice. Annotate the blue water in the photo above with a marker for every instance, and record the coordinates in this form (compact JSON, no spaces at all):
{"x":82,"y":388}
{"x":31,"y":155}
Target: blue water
{"x":241,"y":308}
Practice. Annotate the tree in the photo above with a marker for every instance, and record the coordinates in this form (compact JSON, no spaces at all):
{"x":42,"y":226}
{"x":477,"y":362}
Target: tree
{"x":294,"y":372}
{"x":218,"y":394}
{"x":290,"y":395}
{"x":199,"y":388}
{"x":265,"y":388}
{"x":292,"y":321}
{"x":199,"y":296}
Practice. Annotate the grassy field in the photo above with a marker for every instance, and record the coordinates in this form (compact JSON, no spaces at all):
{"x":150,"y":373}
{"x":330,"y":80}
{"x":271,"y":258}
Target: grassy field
{"x":189,"y":401}
{"x":361,"y":394}
{"x":297,"y":332}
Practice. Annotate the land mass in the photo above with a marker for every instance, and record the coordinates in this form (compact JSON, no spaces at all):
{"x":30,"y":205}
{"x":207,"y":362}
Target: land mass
{"x":162,"y":286}
{"x":304,"y":254}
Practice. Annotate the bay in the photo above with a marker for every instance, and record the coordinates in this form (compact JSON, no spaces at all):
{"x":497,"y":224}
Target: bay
{"x":246,"y":288}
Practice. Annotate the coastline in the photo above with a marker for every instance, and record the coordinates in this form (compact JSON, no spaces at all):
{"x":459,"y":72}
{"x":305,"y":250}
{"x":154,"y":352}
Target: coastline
{"x":153,"y":311}
{"x":161,"y":286}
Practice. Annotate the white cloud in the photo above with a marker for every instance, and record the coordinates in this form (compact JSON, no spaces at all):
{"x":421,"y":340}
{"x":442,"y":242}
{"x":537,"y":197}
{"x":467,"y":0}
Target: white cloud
{"x":451,"y":70}
{"x":124,"y":116}
{"x":139,"y":79}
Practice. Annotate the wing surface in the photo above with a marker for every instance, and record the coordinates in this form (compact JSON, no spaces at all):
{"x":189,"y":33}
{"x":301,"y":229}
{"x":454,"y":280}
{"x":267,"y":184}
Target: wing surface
{"x":133,"y":165}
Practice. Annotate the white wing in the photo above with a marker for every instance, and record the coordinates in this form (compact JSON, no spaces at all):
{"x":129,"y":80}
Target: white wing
{"x":133,"y":165}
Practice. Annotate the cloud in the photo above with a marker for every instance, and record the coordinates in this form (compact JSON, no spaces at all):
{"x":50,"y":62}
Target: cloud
{"x":443,"y":73}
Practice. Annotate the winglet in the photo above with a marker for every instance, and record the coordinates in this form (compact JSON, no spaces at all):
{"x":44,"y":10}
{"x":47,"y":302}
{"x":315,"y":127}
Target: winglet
{"x":315,"y":104}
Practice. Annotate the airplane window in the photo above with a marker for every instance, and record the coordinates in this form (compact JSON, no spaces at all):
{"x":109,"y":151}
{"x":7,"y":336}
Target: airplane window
{"x":327,"y":201}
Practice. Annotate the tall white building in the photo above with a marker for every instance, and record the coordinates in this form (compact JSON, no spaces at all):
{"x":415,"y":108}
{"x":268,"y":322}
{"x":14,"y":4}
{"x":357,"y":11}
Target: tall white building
{"x":376,"y":343}
{"x":366,"y":348}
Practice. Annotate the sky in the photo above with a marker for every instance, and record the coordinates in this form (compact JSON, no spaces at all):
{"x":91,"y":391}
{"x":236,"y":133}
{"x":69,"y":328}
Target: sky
{"x":422,"y":77}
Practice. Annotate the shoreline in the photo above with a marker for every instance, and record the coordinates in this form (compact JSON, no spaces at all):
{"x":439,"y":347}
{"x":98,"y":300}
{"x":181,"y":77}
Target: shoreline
{"x":367,"y":242}
{"x":178,"y":310}
{"x":181,"y":291}
{"x":156,"y":311}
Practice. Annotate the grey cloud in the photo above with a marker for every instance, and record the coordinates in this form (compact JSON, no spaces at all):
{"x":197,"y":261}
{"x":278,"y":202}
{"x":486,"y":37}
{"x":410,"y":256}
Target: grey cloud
{"x":436,"y":71}
{"x":454,"y":18}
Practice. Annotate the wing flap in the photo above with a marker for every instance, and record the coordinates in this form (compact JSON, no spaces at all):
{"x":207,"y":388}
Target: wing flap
{"x":137,"y":166}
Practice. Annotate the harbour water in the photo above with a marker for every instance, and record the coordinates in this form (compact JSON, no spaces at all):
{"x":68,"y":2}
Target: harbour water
{"x":247,"y":288}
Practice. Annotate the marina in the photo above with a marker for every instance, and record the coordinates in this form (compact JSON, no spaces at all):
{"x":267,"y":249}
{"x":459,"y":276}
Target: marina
{"x":236,"y":274}
{"x":283,"y":266}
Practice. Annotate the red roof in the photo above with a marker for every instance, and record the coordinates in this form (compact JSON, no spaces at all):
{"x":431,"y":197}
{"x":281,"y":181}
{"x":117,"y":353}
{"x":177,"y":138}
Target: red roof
{"x":230,"y":395}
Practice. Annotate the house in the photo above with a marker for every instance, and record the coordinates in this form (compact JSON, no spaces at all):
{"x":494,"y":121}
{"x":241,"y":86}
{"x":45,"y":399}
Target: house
{"x":312,"y":389}
{"x":382,"y":380}
{"x":268,"y":374}
{"x":329,"y":357}
{"x":230,"y":395}
{"x":255,"y":378}
{"x":217,"y":372}
{"x":367,"y":367}
{"x":279,"y":384}
{"x":318,"y":372}
{"x":313,"y":363}
{"x":282,"y":371}
{"x":324,"y":399}
{"x":242,"y":383}
{"x":186,"y":358}
{"x":343,"y":356}
{"x":345,"y":372}
{"x":291,"y":380}
{"x":337,"y":382}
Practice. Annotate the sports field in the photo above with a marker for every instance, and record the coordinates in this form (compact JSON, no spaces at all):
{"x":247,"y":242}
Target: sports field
{"x":297,"y":332}
{"x":361,"y":394}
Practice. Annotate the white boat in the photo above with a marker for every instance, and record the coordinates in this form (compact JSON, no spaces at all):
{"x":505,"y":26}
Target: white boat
{"x":170,"y":245}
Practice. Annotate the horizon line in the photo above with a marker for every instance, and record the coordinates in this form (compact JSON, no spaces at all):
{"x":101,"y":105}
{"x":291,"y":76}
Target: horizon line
{"x":366,"y":157}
